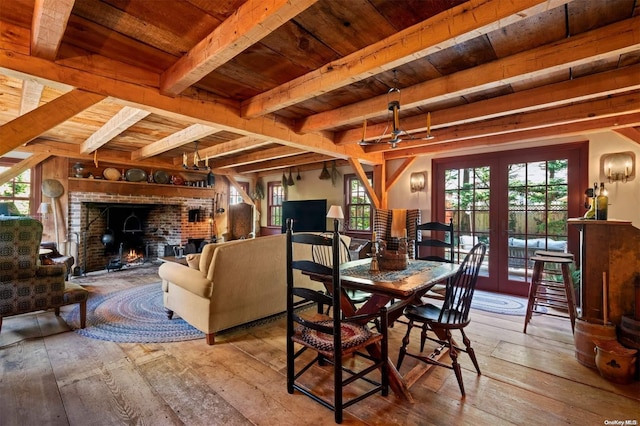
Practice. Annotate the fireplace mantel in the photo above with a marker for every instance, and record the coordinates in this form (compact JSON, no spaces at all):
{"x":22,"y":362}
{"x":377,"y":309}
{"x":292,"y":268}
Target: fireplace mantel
{"x":138,"y":188}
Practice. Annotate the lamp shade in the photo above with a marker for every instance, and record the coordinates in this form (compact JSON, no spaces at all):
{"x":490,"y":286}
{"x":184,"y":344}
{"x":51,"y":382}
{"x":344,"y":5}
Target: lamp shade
{"x":335,"y":212}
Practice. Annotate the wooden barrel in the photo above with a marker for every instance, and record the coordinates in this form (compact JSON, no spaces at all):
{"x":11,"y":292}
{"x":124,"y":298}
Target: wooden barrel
{"x":629,"y":336}
{"x":583,"y":337}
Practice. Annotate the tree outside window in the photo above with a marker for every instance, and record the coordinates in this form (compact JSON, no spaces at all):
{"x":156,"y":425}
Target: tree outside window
{"x":358,"y":205}
{"x":274,"y":204}
{"x":17,"y":190}
{"x":234,"y":195}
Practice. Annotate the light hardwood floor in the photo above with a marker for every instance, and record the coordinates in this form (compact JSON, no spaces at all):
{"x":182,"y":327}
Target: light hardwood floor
{"x":65,"y":378}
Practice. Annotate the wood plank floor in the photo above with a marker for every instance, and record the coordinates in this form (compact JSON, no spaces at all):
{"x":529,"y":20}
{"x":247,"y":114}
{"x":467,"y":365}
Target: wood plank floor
{"x":64,"y":378}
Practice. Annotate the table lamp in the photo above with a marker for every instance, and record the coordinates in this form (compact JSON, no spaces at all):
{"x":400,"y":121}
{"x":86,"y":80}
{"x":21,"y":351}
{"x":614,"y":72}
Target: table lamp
{"x":335,"y":212}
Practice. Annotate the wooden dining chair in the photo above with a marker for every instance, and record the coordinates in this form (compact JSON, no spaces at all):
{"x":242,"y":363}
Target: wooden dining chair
{"x":335,"y":339}
{"x":436,"y":246}
{"x":439,"y":242}
{"x":323,"y":254}
{"x":452,"y":315}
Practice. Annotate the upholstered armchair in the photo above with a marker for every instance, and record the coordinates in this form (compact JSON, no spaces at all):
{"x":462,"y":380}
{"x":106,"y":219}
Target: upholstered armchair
{"x":25,"y":284}
{"x":390,"y":229}
{"x":241,"y":222}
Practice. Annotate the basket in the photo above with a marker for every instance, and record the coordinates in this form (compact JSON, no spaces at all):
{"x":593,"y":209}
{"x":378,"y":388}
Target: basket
{"x":393,"y":261}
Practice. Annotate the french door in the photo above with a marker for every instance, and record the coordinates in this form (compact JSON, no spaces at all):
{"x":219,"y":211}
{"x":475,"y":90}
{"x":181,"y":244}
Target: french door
{"x":516,"y":202}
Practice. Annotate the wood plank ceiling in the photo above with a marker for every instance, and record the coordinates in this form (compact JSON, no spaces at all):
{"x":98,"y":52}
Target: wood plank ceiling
{"x":268,"y":85}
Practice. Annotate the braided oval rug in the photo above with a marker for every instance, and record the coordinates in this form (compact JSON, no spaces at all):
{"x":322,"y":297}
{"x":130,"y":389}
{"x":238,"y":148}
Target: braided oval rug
{"x":135,"y":315}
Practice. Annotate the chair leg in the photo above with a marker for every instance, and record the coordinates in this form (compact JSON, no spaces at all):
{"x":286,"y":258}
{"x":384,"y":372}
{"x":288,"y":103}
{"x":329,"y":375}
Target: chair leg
{"x":533,"y":290}
{"x":453,"y":353}
{"x":405,"y":342}
{"x":83,"y":314}
{"x":423,"y":336}
{"x":470,"y":351}
{"x":210,"y":338}
{"x":56,"y":311}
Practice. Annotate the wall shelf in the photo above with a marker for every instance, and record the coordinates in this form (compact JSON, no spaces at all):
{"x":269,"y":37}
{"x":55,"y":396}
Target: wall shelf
{"x":138,"y":188}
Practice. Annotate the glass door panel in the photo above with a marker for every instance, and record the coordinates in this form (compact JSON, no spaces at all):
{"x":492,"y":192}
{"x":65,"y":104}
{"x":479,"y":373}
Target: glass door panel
{"x":517,"y":202}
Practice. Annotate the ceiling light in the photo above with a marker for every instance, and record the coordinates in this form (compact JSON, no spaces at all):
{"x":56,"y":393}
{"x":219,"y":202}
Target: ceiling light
{"x":393,"y":106}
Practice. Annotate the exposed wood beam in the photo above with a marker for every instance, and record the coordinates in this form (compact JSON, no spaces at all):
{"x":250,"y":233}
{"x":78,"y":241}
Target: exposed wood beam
{"x":50,"y":19}
{"x":364,"y":181}
{"x":630,"y":133}
{"x":552,"y":95}
{"x":393,"y":179}
{"x":31,"y":125}
{"x":615,"y":39}
{"x":184,"y":136}
{"x":243,"y":194}
{"x":62,"y":149}
{"x":20,"y":167}
{"x":253,"y":20}
{"x":256,"y":157}
{"x":120,"y":122}
{"x":444,"y":30}
{"x":578,"y":113}
{"x":30,"y":97}
{"x":205,"y":112}
{"x":540,"y":134}
{"x":282,"y":163}
{"x":233,"y":147}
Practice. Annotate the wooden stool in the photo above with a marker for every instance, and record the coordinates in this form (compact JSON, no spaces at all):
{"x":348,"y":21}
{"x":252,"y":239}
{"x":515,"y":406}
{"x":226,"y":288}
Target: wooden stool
{"x":548,"y":293}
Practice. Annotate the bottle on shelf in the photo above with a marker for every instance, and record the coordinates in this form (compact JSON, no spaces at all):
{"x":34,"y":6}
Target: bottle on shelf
{"x":602,"y":203}
{"x":591,"y":193}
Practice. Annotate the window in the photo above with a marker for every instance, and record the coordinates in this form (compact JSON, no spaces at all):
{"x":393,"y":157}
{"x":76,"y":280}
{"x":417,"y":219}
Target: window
{"x":234,"y":195}
{"x":17,"y":190}
{"x":274,"y":203}
{"x":358,"y":205}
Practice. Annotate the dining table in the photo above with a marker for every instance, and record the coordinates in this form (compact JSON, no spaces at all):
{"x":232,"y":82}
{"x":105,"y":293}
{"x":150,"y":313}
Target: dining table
{"x":394,"y":289}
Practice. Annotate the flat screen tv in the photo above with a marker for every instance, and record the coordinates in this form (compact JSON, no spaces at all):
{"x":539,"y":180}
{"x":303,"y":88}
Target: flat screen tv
{"x":307,"y":215}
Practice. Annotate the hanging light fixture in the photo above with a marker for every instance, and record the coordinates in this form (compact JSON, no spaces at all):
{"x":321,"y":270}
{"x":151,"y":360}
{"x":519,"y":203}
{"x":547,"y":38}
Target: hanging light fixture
{"x":393,"y":106}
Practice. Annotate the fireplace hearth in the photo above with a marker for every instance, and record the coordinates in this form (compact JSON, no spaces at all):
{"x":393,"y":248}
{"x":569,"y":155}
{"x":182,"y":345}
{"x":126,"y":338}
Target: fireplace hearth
{"x":125,"y":231}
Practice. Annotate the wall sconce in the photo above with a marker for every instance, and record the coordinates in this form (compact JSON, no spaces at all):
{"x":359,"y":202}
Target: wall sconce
{"x":417,"y":181}
{"x":619,"y":166}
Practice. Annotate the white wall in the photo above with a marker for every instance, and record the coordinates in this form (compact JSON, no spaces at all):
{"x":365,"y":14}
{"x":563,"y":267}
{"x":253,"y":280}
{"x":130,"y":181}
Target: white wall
{"x":624,"y":198}
{"x":310,"y":187}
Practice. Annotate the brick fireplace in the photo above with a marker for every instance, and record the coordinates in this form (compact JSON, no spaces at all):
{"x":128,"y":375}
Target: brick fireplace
{"x":152,"y":224}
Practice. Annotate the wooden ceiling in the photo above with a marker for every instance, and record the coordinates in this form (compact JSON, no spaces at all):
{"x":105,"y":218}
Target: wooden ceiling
{"x":265,"y":85}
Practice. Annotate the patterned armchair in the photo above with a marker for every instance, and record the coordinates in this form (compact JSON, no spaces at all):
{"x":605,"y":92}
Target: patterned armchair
{"x":383,"y":226}
{"x":25,"y":284}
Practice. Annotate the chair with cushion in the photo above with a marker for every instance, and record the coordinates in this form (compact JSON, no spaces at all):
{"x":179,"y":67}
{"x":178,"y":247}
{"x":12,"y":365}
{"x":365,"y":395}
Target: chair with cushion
{"x":452,"y":315}
{"x":317,"y":332}
{"x":323,"y":254}
{"x":25,"y":284}
{"x":389,"y":226}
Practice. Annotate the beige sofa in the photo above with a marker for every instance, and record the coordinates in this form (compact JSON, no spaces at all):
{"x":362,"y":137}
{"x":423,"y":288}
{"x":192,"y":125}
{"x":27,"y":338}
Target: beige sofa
{"x":230,"y":284}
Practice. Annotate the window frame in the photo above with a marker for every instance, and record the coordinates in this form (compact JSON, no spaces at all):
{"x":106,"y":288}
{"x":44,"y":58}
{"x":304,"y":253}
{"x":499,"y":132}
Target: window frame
{"x":271,"y":206}
{"x":347,"y":192}
{"x":234,"y":195}
{"x":28,"y":196}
